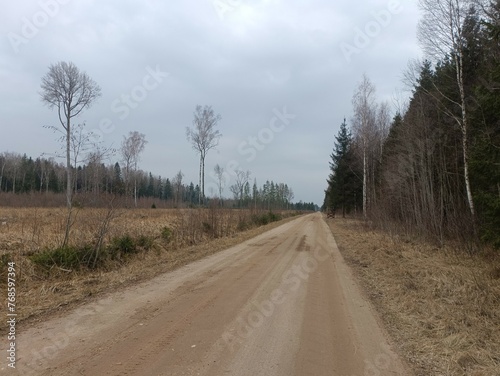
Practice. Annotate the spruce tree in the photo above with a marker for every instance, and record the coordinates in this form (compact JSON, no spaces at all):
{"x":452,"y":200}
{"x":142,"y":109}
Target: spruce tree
{"x":343,"y":184}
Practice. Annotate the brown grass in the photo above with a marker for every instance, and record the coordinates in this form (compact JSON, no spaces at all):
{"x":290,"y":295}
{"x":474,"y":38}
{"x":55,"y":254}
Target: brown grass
{"x":197,"y":233}
{"x":441,"y":306}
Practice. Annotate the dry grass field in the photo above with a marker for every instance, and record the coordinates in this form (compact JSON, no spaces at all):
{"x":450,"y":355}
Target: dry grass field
{"x":164,"y":238}
{"x":28,"y":230}
{"x":441,"y":306}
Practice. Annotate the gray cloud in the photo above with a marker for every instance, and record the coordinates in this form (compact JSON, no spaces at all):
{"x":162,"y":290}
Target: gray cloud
{"x":262,"y":55}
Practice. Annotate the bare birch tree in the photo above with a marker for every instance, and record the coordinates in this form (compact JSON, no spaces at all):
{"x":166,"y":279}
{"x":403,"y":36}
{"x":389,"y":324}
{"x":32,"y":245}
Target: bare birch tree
{"x":383,"y":123}
{"x":132,"y":147}
{"x":364,"y":124}
{"x":203,"y":137}
{"x":221,"y":181}
{"x":71,"y":91}
{"x":441,"y":34}
{"x":177,"y":183}
{"x":238,"y":189}
{"x":95,"y":160}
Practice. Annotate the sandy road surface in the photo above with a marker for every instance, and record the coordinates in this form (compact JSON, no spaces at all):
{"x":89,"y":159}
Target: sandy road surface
{"x":283,"y":303}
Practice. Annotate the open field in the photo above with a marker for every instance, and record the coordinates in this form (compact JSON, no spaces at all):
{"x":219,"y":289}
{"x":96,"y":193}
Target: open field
{"x":28,"y":230}
{"x":192,"y":234}
{"x":441,"y":306}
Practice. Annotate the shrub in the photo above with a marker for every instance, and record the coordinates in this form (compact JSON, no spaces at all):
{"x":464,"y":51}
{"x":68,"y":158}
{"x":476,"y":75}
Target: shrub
{"x":122,"y":245}
{"x":260,"y":220}
{"x":207,"y":228}
{"x":274,"y":217}
{"x":68,"y":257}
{"x":264,"y":219}
{"x":166,"y":234}
{"x":5,"y":259}
{"x":145,"y":242}
{"x":71,"y":257}
{"x":242,"y":225}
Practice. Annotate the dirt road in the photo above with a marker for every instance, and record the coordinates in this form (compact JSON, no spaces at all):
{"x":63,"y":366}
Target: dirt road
{"x":281,"y":304}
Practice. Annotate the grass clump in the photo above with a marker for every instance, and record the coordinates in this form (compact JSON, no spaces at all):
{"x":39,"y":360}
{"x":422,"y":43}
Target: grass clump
{"x":145,"y":242}
{"x":122,"y":245}
{"x":89,"y":256}
{"x":67,"y":257}
{"x":207,"y":228}
{"x":242,"y":225}
{"x":5,"y":259}
{"x":166,"y":234}
{"x":266,"y":218}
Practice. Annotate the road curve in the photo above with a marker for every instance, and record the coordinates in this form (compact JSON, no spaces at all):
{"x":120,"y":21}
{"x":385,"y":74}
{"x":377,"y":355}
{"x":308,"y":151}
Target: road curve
{"x":281,"y":304}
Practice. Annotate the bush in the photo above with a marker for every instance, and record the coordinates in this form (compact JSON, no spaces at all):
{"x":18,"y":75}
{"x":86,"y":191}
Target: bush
{"x":274,"y":217}
{"x":67,"y":257}
{"x":207,"y":228}
{"x":166,"y":234}
{"x":266,"y":218}
{"x":122,"y":245}
{"x":145,"y":242}
{"x":242,"y":225}
{"x":72,"y":257}
{"x":260,"y":220}
{"x":5,"y":259}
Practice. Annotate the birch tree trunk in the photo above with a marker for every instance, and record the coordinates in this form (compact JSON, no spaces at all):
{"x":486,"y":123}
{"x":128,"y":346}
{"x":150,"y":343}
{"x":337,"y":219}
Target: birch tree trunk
{"x":441,"y":33}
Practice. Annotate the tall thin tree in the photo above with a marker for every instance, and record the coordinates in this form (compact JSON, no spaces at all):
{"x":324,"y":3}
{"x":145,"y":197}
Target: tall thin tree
{"x":132,"y":147}
{"x":364,"y":123}
{"x":71,"y":91}
{"x":177,"y":183}
{"x":441,"y":34}
{"x":238,"y":189}
{"x":221,"y":180}
{"x":343,"y":182}
{"x":203,"y":137}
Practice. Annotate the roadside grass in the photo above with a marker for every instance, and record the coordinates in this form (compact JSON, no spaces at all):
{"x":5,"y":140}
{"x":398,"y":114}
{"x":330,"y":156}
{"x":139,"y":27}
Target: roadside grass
{"x":441,"y":306}
{"x":138,"y":245}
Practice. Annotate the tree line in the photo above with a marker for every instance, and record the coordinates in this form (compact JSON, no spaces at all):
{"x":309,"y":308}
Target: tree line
{"x":21,"y":174}
{"x":434,"y":167}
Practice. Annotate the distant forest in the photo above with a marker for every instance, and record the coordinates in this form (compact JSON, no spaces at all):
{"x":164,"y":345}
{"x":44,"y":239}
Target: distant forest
{"x":434,"y":168}
{"x":21,"y":174}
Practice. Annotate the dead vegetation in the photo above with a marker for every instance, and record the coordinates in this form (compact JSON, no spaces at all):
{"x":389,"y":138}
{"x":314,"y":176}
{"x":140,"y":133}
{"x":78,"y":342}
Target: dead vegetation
{"x":146,"y":242}
{"x":440,"y":305}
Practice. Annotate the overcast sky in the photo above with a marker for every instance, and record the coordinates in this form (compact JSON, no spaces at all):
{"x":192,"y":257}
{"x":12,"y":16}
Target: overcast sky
{"x":280,"y":73}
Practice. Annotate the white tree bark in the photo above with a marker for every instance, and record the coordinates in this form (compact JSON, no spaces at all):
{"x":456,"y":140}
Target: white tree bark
{"x":441,"y":34}
{"x":364,"y":123}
